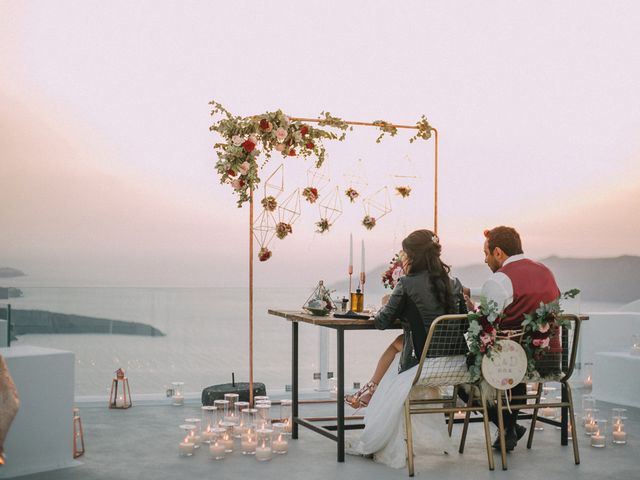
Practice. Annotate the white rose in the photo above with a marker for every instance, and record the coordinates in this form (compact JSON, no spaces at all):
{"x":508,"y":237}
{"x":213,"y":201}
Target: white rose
{"x":280,"y":147}
{"x":237,"y":140}
{"x":281,"y":134}
{"x":244,"y":168}
{"x":253,"y":139}
{"x":235,"y":184}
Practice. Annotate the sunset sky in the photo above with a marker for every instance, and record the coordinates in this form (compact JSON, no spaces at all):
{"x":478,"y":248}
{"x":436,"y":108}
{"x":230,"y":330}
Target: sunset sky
{"x":107,"y":166}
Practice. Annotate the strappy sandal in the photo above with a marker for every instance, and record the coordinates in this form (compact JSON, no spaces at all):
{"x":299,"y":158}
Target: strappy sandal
{"x":361,"y":398}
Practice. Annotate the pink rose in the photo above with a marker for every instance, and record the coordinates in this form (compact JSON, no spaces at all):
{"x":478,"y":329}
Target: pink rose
{"x":281,"y":134}
{"x":244,"y":168}
{"x":485,"y":339}
{"x":280,"y":147}
{"x":543,"y":327}
{"x":236,"y":184}
{"x":237,"y":140}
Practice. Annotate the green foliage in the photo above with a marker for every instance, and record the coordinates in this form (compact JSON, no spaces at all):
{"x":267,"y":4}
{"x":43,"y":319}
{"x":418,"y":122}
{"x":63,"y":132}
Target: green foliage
{"x":385,"y":128}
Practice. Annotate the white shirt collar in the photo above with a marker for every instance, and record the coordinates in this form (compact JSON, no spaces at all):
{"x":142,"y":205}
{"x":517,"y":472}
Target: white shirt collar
{"x":514,"y":258}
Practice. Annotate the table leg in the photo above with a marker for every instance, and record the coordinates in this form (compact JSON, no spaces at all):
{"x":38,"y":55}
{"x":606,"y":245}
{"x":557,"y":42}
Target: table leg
{"x":294,"y":378}
{"x":340,"y":399}
{"x":564,"y":398}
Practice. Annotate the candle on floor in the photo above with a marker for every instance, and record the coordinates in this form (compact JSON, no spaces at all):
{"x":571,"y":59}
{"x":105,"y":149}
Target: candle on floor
{"x":249,"y":441}
{"x":263,"y":448}
{"x":217,"y":450}
{"x":591,"y":427}
{"x":120,"y":401}
{"x":186,"y":446}
{"x":619,"y":435}
{"x":279,"y":443}
{"x":598,"y":440}
{"x":227,"y":437}
{"x":548,"y":412}
{"x":459,"y":415}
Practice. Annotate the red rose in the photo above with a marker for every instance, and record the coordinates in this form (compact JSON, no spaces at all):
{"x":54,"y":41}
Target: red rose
{"x":304,"y":130}
{"x":248,"y":145}
{"x":241,"y":183}
{"x":292,"y":153}
{"x":309,"y":145}
{"x":231,"y":173}
{"x":265,"y":125}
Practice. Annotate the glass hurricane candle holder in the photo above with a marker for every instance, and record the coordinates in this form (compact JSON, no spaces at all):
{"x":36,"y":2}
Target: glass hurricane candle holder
{"x":263,"y":415}
{"x":590,"y":424}
{"x":279,"y":440}
{"x":249,"y":441}
{"x":588,"y":401}
{"x":177,"y":396}
{"x":263,"y":447}
{"x":248,"y":418}
{"x":222,"y":407}
{"x":618,"y":435}
{"x":240,"y":424}
{"x":232,"y":398}
{"x":599,"y":437}
{"x":286,"y":415}
{"x":186,"y":446}
{"x":217,"y":448}
{"x":260,"y":398}
{"x":196,"y":438}
{"x":208,"y":422}
{"x":587,"y":376}
{"x":227,"y":437}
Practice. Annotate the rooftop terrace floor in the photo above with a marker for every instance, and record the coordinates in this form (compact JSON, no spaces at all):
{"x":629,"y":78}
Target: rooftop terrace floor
{"x":142,"y":443}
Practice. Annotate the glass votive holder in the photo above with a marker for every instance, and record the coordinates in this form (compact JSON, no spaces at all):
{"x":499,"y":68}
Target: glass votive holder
{"x":222,"y":409}
{"x":263,"y":415}
{"x":217,"y":448}
{"x":177,"y":396}
{"x":333,"y":388}
{"x":186,"y":446}
{"x":588,"y":402}
{"x":226,"y":439}
{"x":548,"y":412}
{"x":279,"y":441}
{"x":248,"y":418}
{"x":208,"y":422}
{"x":260,"y":398}
{"x":587,"y":376}
{"x":591,"y":422}
{"x":599,"y":437}
{"x":263,"y":447}
{"x":618,"y":435}
{"x":286,"y":415}
{"x":249,"y":441}
{"x":232,"y":398}
{"x":196,"y":438}
{"x":240,"y":423}
{"x":635,"y":345}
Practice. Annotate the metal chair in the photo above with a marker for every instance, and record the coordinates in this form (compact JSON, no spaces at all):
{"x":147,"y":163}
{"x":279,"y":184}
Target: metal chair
{"x":443,"y":364}
{"x":552,"y":368}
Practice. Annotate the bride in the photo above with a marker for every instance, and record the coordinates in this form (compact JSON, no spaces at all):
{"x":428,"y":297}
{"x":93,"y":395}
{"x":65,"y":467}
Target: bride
{"x":423,"y":294}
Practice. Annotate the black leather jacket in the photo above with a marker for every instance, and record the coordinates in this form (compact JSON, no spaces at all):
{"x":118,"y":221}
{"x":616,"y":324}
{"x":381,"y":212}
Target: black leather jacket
{"x":413,"y":303}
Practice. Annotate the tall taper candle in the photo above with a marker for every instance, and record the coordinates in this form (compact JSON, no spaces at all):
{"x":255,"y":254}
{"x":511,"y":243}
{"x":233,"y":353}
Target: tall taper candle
{"x":362,"y":252}
{"x":351,"y":253}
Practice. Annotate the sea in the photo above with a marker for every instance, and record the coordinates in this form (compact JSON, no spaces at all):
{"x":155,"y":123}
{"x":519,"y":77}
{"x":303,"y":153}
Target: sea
{"x":206,"y":339}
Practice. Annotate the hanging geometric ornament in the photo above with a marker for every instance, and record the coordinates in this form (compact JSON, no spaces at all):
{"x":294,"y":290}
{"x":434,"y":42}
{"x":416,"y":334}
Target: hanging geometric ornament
{"x":288,"y":213}
{"x":317,"y":179}
{"x":330,"y":210}
{"x":273,"y":188}
{"x":264,"y":228}
{"x":404,"y":181}
{"x":376,"y":206}
{"x":356,"y":180}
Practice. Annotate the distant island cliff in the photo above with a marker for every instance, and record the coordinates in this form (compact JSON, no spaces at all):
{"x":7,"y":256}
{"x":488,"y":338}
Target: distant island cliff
{"x":8,"y":272}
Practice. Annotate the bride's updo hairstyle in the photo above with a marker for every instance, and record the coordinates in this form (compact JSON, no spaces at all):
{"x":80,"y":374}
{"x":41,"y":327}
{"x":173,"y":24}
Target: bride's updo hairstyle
{"x":422,"y":248}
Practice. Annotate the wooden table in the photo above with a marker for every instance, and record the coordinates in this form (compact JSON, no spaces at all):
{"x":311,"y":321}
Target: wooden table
{"x":340,"y":325}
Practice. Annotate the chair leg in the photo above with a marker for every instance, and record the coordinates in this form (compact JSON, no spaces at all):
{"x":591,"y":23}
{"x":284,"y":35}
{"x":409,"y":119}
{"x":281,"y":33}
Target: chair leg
{"x":534,"y":417}
{"x":409,"y":437}
{"x":467,"y":414}
{"x":453,"y":404}
{"x":487,"y":432}
{"x":572,"y":420}
{"x":503,"y":447}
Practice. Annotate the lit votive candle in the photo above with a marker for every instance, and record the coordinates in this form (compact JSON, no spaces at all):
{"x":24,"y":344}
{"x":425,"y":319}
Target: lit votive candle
{"x":548,"y":412}
{"x":619,"y":435}
{"x":178,"y":399}
{"x":217,"y":450}
{"x":120,"y":401}
{"x":263,"y":453}
{"x":458,"y":415}
{"x":226,"y":439}
{"x":186,"y":448}
{"x":207,"y":435}
{"x":280,"y":445}
{"x":248,"y":444}
{"x":597,"y":440}
{"x":590,"y":428}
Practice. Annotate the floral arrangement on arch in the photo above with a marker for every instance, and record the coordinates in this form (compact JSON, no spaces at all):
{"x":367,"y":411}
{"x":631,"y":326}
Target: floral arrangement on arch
{"x":392,"y":274}
{"x":310,"y":194}
{"x":368,"y":222}
{"x":352,"y":194}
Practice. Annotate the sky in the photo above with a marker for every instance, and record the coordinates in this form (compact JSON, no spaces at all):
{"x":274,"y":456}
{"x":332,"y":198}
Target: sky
{"x":107,"y":163}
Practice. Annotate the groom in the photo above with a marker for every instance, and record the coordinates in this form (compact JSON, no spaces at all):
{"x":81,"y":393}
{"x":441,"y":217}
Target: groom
{"x":517,"y":285}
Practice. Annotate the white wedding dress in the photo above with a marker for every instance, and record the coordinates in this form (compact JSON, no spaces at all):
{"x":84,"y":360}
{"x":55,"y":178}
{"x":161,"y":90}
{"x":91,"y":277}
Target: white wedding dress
{"x":384,"y":432}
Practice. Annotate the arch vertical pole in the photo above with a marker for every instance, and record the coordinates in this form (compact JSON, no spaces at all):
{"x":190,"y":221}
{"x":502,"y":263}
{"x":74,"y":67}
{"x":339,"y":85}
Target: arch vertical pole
{"x":435,"y":184}
{"x":251,"y":296}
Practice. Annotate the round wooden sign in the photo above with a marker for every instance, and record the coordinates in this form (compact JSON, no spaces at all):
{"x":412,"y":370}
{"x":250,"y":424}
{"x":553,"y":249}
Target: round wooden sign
{"x":507,"y":365}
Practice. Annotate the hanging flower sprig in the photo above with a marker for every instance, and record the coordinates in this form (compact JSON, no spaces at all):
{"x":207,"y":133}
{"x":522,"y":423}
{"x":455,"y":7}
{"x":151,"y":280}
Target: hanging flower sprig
{"x":269,"y":203}
{"x":264,"y":254}
{"x":283,"y":229}
{"x":351,"y":194}
{"x":310,"y":194}
{"x":368,"y":222}
{"x":323,"y":225}
{"x":403,"y":191}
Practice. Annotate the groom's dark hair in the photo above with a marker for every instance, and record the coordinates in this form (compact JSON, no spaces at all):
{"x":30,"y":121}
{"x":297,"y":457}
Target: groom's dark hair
{"x":505,"y":238}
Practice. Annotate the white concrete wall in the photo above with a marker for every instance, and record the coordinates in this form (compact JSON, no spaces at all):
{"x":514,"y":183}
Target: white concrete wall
{"x":41,"y":436}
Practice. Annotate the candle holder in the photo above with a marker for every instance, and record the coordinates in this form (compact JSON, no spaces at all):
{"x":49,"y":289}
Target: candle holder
{"x":590,"y":423}
{"x":227,"y":436}
{"x":587,"y":380}
{"x":78,"y":434}
{"x":263,"y":447}
{"x":177,"y":397}
{"x":222,"y":407}
{"x":249,"y":441}
{"x":208,"y":422}
{"x":599,"y":437}
{"x":120,"y":395}
{"x":248,"y":418}
{"x":279,"y":440}
{"x":217,"y":449}
{"x":635,"y":345}
{"x":618,"y":435}
{"x":263,"y":415}
{"x":286,"y":416}
{"x":196,"y":436}
{"x":186,"y":446}
{"x":260,"y":398}
{"x":240,"y":425}
{"x":231,"y":417}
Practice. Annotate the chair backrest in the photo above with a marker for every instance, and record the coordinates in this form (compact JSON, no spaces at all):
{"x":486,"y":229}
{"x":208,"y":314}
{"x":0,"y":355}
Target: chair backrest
{"x":550,"y":365}
{"x":443,"y":360}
